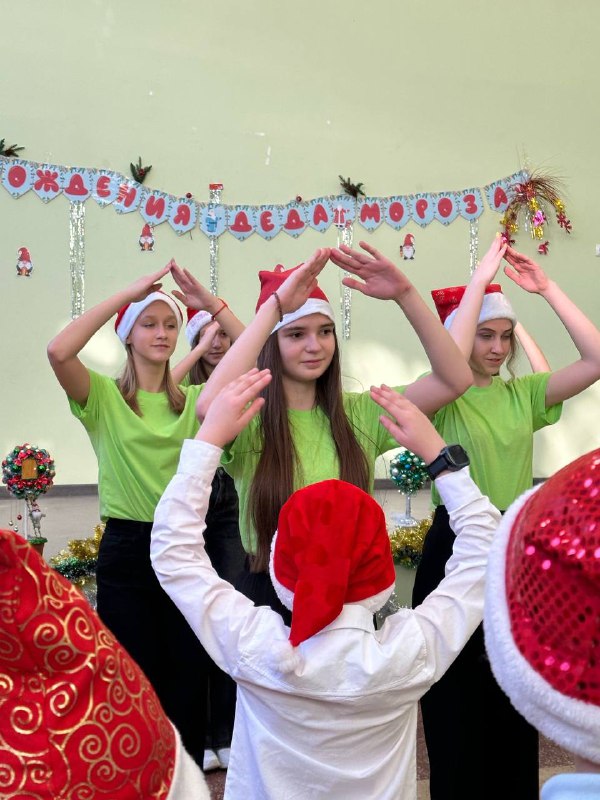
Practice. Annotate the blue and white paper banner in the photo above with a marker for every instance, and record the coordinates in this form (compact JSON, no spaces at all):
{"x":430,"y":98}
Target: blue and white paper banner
{"x":19,"y":176}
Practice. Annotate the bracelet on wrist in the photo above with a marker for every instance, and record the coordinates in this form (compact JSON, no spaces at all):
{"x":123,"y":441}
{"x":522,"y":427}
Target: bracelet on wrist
{"x":218,"y":311}
{"x":279,"y":308}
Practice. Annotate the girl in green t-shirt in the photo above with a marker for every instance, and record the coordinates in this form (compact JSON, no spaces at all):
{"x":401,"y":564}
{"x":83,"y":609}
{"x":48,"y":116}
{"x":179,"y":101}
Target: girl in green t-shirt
{"x":308,"y":426}
{"x":473,"y":734}
{"x":137,"y":424}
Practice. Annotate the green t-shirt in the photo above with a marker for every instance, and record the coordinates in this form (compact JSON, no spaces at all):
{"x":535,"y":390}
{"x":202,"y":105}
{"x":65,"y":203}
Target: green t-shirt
{"x":495,"y":424}
{"x":317,"y":456}
{"x":137,"y":456}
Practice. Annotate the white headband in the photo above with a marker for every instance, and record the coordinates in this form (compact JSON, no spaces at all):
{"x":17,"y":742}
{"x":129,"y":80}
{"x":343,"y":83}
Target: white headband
{"x":127,"y":319}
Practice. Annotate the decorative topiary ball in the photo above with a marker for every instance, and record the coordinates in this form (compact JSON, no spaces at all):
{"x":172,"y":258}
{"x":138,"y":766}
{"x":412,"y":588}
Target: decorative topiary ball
{"x":408,"y":472}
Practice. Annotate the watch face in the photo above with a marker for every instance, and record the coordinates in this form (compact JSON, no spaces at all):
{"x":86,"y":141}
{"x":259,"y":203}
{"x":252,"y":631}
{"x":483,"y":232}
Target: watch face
{"x":457,"y":456}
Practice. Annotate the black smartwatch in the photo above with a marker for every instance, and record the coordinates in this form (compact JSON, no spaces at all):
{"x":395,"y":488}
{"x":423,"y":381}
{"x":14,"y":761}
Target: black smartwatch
{"x":451,"y":458}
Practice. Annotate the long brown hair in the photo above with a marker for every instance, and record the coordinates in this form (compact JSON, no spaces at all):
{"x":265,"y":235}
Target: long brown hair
{"x":128,"y":386}
{"x":273,"y":481}
{"x":199,"y":372}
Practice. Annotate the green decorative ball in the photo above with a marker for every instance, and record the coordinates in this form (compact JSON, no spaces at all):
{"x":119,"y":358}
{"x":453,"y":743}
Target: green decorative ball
{"x":408,"y":472}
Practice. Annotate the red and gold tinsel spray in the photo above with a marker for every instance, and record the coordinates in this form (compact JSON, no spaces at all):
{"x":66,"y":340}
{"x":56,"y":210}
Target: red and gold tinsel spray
{"x":532,"y":203}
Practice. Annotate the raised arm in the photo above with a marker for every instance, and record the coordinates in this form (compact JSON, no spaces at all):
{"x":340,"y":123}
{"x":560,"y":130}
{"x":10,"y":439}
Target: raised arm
{"x":450,"y":614}
{"x":464,"y":324}
{"x":194,"y":295}
{"x":242,"y":355}
{"x":380,"y":278}
{"x":181,"y":369}
{"x":221,"y":617}
{"x":576,"y":377}
{"x":532,"y":350}
{"x":64,"y":349}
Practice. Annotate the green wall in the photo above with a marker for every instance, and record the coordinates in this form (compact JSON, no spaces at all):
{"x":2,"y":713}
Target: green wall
{"x":275,"y":100}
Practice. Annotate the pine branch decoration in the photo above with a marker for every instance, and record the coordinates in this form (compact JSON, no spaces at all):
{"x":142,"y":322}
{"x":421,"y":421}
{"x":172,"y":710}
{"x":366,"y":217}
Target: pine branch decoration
{"x":353,"y":189}
{"x":11,"y":150}
{"x":139,"y":171}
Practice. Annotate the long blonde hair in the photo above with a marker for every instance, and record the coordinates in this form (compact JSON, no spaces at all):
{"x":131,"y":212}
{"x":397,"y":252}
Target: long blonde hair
{"x":128,"y":386}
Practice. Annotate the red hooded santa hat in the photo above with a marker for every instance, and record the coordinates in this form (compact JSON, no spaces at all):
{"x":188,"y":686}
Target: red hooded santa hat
{"x":317,"y":303}
{"x":494,"y":305}
{"x":196,"y":321}
{"x":128,"y":314}
{"x":331,"y":548}
{"x":542,"y":606}
{"x":79,"y":717}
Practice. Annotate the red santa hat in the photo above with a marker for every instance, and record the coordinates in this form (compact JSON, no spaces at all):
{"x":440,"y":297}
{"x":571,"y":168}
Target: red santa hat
{"x":147,"y":231}
{"x":128,"y":314}
{"x":494,"y":306}
{"x":542,"y":607}
{"x":23,"y":254}
{"x":331,"y":548}
{"x":196,"y":321}
{"x":79,"y":717}
{"x":317,"y":303}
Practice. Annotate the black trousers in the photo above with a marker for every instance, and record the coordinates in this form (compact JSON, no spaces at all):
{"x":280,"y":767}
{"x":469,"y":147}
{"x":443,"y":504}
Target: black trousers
{"x":224,"y":548}
{"x":479,"y":746}
{"x":144,"y":619}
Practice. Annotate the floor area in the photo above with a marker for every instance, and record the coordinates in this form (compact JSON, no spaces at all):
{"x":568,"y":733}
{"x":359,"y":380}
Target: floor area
{"x":74,"y":516}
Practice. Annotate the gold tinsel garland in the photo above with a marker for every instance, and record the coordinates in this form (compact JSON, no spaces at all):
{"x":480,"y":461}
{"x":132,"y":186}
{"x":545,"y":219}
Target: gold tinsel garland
{"x":78,"y":561}
{"x":407,"y":543}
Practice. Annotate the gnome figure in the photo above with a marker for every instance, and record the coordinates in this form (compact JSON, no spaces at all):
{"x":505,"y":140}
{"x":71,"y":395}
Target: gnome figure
{"x":146,"y":239}
{"x":408,"y":248}
{"x":24,"y":265}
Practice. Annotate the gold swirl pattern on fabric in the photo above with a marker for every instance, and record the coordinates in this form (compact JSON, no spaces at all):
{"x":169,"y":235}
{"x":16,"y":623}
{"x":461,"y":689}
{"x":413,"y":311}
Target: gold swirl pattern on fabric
{"x":78,"y":718}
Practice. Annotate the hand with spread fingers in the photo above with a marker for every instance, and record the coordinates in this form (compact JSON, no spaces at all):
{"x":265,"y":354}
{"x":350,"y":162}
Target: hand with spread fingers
{"x":236,"y":404}
{"x":295,"y":290}
{"x":377,"y":275}
{"x":525,"y":272}
{"x":409,"y":426}
{"x":142,"y":287}
{"x":191,"y":292}
{"x":490,"y":263}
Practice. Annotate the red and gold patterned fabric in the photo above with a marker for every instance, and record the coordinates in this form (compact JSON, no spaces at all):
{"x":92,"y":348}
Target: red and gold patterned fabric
{"x":78,"y":718}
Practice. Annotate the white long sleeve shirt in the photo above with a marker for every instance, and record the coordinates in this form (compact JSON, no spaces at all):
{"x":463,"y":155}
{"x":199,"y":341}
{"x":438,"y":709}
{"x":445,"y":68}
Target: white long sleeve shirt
{"x":342,"y":724}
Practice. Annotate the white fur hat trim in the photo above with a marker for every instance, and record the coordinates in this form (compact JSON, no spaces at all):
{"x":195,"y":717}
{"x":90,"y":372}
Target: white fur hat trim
{"x":133,"y":310}
{"x":571,"y":723}
{"x":200,"y":320}
{"x":495,"y":305}
{"x":314,"y":305}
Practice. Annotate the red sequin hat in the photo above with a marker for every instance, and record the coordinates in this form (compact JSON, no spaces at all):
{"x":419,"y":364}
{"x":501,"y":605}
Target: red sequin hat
{"x":79,"y":717}
{"x":331,"y":547}
{"x":494,"y":306}
{"x":542,"y":607}
{"x":317,"y":302}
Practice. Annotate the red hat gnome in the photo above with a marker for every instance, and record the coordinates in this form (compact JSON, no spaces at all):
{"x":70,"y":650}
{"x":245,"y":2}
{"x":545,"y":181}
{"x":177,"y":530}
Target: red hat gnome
{"x":79,"y":718}
{"x":494,"y":306}
{"x":331,"y":548}
{"x":542,"y":611}
{"x":317,"y":302}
